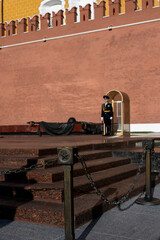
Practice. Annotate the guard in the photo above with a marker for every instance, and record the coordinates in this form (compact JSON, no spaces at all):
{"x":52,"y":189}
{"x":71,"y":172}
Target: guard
{"x":106,"y":116}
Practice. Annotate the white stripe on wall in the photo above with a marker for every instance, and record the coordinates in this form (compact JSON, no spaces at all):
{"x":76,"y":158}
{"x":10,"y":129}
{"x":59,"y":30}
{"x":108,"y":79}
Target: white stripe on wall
{"x":145,"y":127}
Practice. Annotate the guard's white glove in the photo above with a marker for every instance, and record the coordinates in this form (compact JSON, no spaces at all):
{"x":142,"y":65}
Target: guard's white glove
{"x":101,"y":118}
{"x":111,"y":118}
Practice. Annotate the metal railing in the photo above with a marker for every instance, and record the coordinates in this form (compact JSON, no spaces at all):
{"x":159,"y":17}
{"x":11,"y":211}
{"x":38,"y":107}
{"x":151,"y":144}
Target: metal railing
{"x":148,"y":146}
{"x":67,"y":157}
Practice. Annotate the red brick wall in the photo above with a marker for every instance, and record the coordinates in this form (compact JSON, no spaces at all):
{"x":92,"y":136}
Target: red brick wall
{"x":58,"y":79}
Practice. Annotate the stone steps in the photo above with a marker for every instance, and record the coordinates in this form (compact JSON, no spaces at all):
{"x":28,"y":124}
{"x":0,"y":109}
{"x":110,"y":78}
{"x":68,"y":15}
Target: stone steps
{"x":41,"y":212}
{"x":53,"y":190}
{"x":27,"y":152}
{"x":50,"y":175}
{"x":38,"y":194}
{"x":138,"y":155}
{"x":18,"y":161}
{"x":90,"y":206}
{"x":20,"y":157}
{"x":87,"y":206}
{"x":93,"y":165}
{"x":28,"y":192}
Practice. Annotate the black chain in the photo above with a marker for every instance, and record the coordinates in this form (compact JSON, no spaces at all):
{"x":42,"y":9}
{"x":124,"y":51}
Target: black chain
{"x":99,"y":193}
{"x":25,"y":169}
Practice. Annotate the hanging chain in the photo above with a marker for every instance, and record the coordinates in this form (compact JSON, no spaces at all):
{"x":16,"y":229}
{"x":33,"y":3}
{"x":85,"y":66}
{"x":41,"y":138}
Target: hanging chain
{"x":99,"y":193}
{"x":32,"y":167}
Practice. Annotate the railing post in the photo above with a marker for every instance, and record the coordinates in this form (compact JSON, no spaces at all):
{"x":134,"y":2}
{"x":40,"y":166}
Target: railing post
{"x":148,"y":195}
{"x":68,"y":204}
{"x":148,"y":146}
{"x":67,"y":156}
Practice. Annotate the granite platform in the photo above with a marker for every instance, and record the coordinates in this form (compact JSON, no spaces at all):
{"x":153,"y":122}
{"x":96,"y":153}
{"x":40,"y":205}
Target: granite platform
{"x":130,"y":221}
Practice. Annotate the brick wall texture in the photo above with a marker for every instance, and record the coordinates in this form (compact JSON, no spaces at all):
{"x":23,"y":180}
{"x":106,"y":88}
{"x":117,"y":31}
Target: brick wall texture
{"x":62,"y":78}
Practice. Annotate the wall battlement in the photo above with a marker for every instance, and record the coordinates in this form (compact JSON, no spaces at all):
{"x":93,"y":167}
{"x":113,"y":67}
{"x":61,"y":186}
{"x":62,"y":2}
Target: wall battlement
{"x":54,"y":21}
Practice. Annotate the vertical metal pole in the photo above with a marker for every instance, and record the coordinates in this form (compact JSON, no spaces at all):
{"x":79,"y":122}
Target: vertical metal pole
{"x":148,"y":199}
{"x":148,"y":195}
{"x":68,"y":202}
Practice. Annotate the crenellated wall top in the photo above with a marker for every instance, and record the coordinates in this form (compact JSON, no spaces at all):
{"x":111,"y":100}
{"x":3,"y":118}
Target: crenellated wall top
{"x":82,"y":15}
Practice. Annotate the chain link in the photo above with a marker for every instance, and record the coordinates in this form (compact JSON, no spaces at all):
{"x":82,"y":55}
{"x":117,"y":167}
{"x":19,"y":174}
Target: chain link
{"x":99,"y":193}
{"x":32,"y":167}
{"x":88,"y":175}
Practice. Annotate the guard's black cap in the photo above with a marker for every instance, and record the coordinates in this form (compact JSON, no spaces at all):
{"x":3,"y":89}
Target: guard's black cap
{"x":105,"y":97}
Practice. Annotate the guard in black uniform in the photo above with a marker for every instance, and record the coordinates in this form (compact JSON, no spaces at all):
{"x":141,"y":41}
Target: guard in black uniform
{"x":106,"y":116}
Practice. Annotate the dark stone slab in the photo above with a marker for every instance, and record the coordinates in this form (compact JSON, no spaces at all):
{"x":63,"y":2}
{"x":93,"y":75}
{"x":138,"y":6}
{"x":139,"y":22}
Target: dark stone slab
{"x":138,"y":156}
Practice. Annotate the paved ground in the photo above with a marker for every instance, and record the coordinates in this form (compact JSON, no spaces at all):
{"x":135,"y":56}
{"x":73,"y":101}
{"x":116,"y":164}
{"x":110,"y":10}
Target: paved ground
{"x":131,"y":221}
